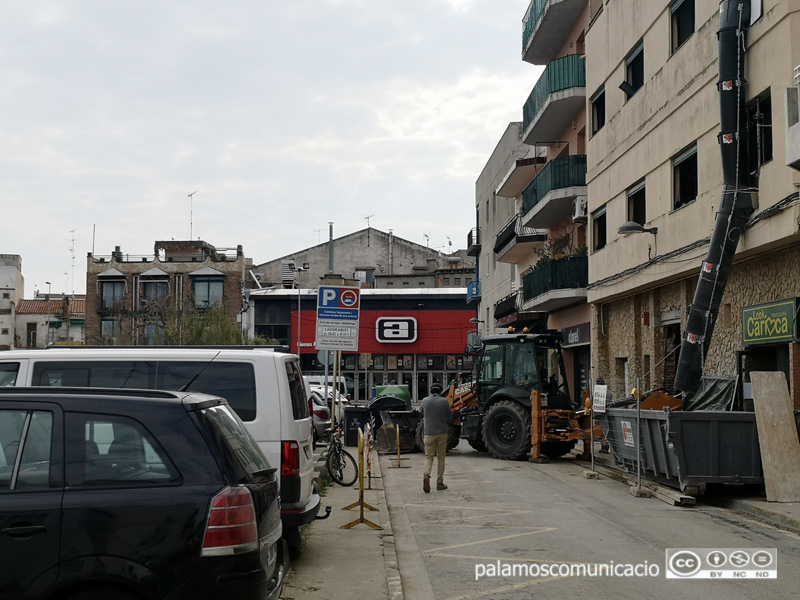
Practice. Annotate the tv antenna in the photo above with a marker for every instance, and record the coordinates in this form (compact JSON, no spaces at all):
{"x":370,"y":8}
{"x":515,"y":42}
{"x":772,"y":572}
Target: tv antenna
{"x":367,"y":218}
{"x":191,"y":201}
{"x":427,"y":237}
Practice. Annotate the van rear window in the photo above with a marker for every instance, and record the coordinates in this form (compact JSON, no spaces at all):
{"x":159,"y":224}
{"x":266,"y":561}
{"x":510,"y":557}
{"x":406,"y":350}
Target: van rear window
{"x":236,"y":382}
{"x":297,"y":390}
{"x":8,"y":374}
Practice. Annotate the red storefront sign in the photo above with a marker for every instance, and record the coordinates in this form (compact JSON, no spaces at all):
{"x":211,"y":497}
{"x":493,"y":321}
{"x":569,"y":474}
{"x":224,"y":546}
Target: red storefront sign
{"x":437,"y":331}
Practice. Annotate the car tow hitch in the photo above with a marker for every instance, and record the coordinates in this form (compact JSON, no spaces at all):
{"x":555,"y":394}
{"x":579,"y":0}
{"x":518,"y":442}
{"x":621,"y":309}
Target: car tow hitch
{"x":327,"y":514}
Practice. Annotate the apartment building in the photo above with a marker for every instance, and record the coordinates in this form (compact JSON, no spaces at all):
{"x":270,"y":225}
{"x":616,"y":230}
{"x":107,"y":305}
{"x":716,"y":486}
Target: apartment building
{"x":655,"y":183}
{"x":531,"y":202}
{"x":12,"y":288}
{"x":131,"y":299}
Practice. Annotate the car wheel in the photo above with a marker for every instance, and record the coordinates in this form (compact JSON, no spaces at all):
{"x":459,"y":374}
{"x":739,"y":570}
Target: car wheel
{"x":294,"y":541}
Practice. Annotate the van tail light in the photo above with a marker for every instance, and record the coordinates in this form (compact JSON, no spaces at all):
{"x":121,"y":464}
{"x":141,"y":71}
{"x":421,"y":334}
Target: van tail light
{"x":231,"y":526}
{"x":321,"y":414}
{"x":290,"y":458}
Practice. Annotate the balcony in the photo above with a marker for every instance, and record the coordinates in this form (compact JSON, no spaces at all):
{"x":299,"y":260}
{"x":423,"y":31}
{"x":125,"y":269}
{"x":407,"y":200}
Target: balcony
{"x":516,"y":242}
{"x":474,"y":242}
{"x":793,"y":123}
{"x":549,"y":197}
{"x":557,"y":284}
{"x":545,"y":28}
{"x":556,"y":98}
{"x":473,"y":291}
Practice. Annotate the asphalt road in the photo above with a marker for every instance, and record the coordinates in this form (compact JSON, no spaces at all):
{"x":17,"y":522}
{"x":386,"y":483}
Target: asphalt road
{"x":464,"y":543}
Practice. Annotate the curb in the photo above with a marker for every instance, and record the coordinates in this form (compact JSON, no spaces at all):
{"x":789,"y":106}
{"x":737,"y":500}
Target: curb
{"x":745,"y":506}
{"x":393,"y":581}
{"x":771,"y":517}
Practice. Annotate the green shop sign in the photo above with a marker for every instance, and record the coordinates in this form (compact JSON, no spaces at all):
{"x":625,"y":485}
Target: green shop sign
{"x":769,"y":323}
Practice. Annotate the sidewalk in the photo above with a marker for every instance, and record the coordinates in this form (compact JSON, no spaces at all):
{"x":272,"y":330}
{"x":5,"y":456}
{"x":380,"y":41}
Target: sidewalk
{"x":335,"y":562}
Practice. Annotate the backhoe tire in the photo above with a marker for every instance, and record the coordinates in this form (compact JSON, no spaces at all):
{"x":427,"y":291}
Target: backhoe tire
{"x":557,"y":449}
{"x":507,"y":430}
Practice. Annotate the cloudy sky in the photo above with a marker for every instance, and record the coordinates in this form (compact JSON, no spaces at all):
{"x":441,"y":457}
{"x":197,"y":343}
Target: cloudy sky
{"x":281,"y":115}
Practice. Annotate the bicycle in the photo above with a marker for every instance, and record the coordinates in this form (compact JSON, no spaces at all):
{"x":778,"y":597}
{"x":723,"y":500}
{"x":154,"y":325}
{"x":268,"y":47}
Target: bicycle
{"x":341,"y":465}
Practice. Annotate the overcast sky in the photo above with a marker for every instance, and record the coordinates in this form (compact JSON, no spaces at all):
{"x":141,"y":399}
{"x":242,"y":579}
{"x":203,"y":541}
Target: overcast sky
{"x":281,"y":115}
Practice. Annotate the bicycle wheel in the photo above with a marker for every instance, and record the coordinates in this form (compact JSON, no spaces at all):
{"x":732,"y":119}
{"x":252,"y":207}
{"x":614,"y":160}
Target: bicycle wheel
{"x":342,"y":467}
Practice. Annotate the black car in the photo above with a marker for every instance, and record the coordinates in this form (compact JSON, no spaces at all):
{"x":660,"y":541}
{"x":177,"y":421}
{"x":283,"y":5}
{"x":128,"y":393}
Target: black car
{"x":133,"y":494}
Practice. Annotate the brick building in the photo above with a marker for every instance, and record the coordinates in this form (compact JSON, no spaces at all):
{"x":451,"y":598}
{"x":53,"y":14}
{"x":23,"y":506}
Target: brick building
{"x":129,"y":298}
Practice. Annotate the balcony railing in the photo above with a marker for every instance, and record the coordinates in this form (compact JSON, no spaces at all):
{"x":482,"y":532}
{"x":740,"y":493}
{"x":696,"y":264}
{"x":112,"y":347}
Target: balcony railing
{"x":531,"y":20}
{"x":566,"y":273}
{"x":560,"y":74}
{"x":559,"y":173}
{"x":474,"y":242}
{"x":473,"y":291}
{"x":506,"y":306}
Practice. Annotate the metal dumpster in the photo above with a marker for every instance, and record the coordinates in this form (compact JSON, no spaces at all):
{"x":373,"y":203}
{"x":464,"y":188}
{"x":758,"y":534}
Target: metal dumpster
{"x":686,"y":449}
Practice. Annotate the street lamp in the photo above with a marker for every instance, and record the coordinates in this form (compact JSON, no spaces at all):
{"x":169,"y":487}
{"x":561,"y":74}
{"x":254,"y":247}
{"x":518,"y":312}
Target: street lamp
{"x":629,"y":227}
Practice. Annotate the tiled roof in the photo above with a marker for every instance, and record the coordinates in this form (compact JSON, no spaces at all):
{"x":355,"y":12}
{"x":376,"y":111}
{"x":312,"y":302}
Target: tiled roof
{"x":43,"y":307}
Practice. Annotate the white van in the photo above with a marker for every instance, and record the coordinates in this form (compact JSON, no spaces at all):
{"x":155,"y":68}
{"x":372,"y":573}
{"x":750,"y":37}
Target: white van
{"x":264,"y":387}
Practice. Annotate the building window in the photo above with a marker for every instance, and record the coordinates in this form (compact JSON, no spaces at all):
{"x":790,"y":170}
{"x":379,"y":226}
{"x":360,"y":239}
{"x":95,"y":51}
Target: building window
{"x":682,"y":22}
{"x":405,"y":282}
{"x":759,"y":125}
{"x":421,"y":284}
{"x":6,"y":296}
{"x":154,"y":292}
{"x":109,"y":329}
{"x":390,"y":284}
{"x":4,"y":331}
{"x":154,"y":333}
{"x":634,"y":72}
{"x":457,"y":281}
{"x":445,"y":281}
{"x":599,"y":236}
{"x":112,"y":295}
{"x":598,"y":110}
{"x":637,"y":211}
{"x":208,"y":291}
{"x":684,"y":177}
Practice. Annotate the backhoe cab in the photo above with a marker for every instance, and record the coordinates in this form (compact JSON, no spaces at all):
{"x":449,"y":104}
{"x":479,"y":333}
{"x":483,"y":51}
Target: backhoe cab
{"x":495,"y":408}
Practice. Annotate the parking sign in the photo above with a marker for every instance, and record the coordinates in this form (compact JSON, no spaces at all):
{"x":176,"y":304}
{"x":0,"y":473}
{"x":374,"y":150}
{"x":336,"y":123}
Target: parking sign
{"x":338,"y":311}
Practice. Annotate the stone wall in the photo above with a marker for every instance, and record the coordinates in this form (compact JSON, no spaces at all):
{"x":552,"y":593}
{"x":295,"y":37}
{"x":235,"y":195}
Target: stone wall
{"x":622,"y":335}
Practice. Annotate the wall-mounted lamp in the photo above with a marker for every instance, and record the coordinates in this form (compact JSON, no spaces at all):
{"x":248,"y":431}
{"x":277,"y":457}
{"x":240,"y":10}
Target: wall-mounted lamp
{"x":630,"y":227}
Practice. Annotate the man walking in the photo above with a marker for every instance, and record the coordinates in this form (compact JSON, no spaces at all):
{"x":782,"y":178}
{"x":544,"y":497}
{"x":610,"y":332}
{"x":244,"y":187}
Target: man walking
{"x":437,"y":418}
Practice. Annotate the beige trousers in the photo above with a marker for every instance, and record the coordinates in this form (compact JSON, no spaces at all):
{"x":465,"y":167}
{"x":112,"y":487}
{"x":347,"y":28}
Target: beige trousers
{"x":435,"y":445}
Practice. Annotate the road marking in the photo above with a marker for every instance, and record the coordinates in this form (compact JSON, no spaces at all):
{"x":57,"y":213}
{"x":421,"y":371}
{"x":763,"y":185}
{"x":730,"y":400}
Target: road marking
{"x":433,"y":551}
{"x":507,"y":588}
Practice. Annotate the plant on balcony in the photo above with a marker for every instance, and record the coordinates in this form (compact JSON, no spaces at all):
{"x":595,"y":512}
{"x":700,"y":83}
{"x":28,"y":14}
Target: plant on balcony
{"x":558,"y":248}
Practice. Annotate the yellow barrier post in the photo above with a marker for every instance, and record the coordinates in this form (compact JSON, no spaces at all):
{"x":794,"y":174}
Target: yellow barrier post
{"x":360,"y":503}
{"x":537,"y":430}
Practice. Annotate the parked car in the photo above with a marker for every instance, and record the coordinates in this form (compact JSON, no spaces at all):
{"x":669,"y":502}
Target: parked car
{"x":264,"y":387}
{"x":341,"y":400}
{"x":320,"y":415}
{"x":134,"y":494}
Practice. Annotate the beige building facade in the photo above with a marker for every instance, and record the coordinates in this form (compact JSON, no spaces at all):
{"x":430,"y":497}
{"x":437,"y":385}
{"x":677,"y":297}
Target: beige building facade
{"x":654,"y":161}
{"x":531,"y":198}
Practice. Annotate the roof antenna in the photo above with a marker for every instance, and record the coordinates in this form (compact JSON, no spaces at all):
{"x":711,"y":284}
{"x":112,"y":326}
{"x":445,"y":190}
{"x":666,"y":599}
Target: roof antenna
{"x":191,"y":200}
